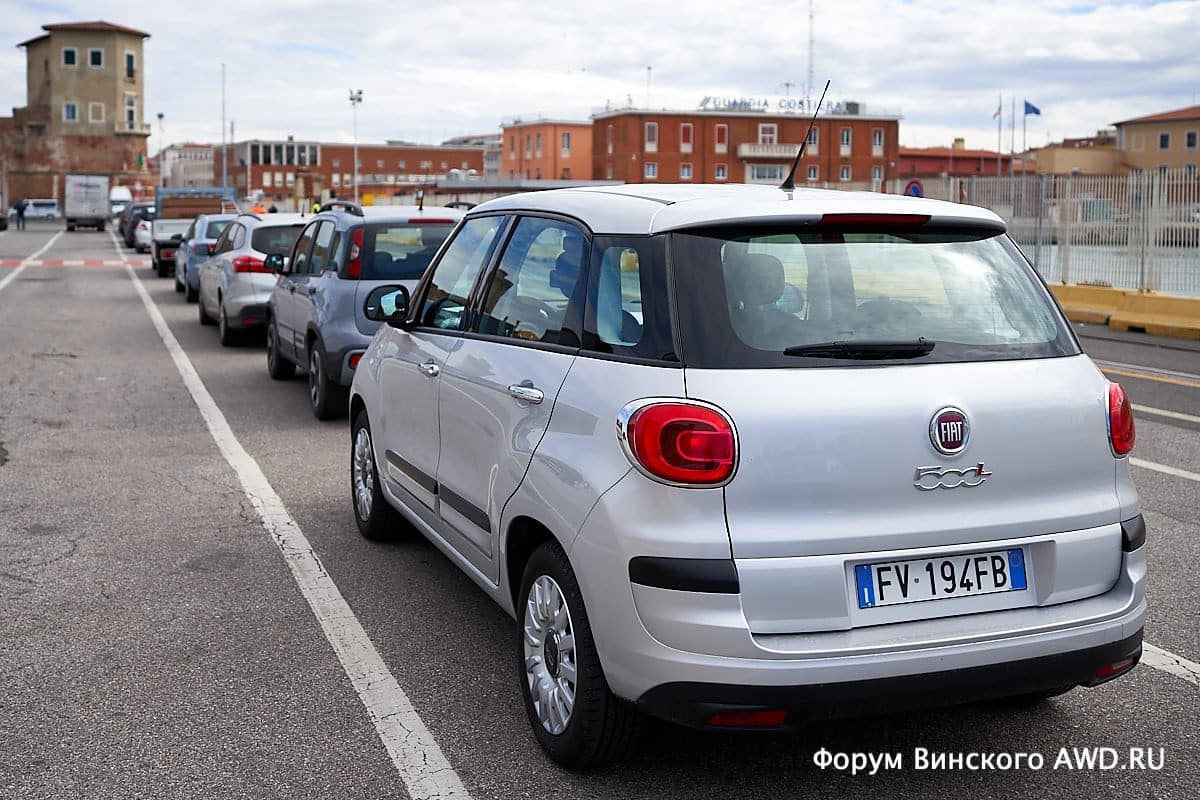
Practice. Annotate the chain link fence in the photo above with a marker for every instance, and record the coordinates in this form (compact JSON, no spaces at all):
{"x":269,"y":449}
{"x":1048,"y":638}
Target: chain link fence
{"x":1135,"y":231}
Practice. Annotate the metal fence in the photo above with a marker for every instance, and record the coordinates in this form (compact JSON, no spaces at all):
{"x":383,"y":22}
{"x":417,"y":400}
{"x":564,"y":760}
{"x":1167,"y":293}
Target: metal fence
{"x":1135,"y":231}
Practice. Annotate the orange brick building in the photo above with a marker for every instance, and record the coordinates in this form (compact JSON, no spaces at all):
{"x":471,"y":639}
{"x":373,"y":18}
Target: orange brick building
{"x":546,"y":149}
{"x":639,"y":146}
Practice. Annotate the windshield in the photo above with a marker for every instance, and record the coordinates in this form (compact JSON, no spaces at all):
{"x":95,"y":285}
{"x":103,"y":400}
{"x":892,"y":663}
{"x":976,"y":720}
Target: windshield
{"x":401,"y":251}
{"x":779,"y":297}
{"x":275,"y":239}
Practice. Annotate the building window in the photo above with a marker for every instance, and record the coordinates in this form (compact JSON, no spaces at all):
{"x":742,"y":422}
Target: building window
{"x":813,"y":173}
{"x":278,"y":157}
{"x":876,"y":173}
{"x":314,"y":155}
{"x":70,"y":112}
{"x":768,"y":133}
{"x":844,"y":175}
{"x":255,"y":154}
{"x":609,"y":138}
{"x":685,"y":171}
{"x":267,"y":180}
{"x":651,"y":171}
{"x":686,"y":132}
{"x":1189,"y":140}
{"x":766,"y":173}
{"x":721,"y":138}
{"x":651,"y":138}
{"x":400,"y":165}
{"x":290,"y":178}
{"x":337,"y":180}
{"x":608,"y":173}
{"x":814,"y":139}
{"x":444,"y":165}
{"x":337,"y":162}
{"x":346,"y":179}
{"x":379,"y":164}
{"x":721,"y":172}
{"x":1164,"y":141}
{"x":1137,"y":142}
{"x":877,"y":137}
{"x":96,"y":57}
{"x":537,"y":147}
{"x":279,"y":179}
{"x":566,"y":144}
{"x":528,"y":146}
{"x":130,"y":64}
{"x":70,"y":57}
{"x":845,"y":141}
{"x":130,"y":112}
{"x":96,"y":113}
{"x":512,"y":147}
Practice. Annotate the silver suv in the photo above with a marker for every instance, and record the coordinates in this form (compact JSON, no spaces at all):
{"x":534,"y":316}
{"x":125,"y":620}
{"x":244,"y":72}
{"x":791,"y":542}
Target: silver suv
{"x":317,"y":318}
{"x":739,"y":457}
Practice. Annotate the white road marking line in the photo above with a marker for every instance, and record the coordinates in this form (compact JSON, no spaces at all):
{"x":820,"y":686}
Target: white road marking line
{"x":12,"y":276}
{"x":1162,"y":412}
{"x":1169,"y":662}
{"x":1152,"y":370}
{"x":422,"y":766}
{"x":1164,"y":469}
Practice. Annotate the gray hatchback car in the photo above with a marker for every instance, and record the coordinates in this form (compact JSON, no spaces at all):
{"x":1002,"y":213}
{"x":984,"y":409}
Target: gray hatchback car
{"x":317,"y":319}
{"x":741,"y":457}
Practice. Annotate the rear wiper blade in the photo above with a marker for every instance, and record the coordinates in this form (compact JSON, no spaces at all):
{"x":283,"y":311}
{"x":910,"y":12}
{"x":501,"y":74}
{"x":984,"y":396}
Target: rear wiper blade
{"x":863,"y":348}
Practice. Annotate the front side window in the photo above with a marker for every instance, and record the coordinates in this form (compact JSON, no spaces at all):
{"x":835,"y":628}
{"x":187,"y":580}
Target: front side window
{"x":536,"y":280}
{"x":969,"y":292}
{"x":322,"y":254}
{"x":444,"y":305}
{"x":402,"y":251}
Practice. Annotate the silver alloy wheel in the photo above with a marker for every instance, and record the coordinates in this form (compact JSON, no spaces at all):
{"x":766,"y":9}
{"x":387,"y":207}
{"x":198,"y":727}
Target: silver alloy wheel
{"x":550,"y":654}
{"x":363,"y":467}
{"x":314,"y":377}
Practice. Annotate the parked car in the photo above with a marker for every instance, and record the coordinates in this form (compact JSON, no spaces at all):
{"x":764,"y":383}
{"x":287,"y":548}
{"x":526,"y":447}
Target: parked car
{"x":139,"y":212}
{"x":123,"y":222}
{"x":143,"y":232}
{"x":39,"y":209}
{"x":317,"y":318}
{"x":911,"y":489}
{"x":199,"y":242}
{"x":235,"y":285}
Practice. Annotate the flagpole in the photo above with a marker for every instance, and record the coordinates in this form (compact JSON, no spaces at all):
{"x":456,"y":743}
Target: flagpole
{"x":1025,"y":129}
{"x":1012,"y":136}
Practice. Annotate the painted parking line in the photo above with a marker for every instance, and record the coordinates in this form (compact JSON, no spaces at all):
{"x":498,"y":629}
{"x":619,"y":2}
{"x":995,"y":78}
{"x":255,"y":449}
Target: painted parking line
{"x":1169,"y":662}
{"x":76,"y":262}
{"x":1162,"y":412}
{"x":1165,"y":470}
{"x":28,"y":262}
{"x":422,"y":766}
{"x":1171,"y":376}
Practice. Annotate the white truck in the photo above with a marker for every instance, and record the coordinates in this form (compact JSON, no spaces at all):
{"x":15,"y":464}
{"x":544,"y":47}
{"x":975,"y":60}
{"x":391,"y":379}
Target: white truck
{"x":86,"y":201}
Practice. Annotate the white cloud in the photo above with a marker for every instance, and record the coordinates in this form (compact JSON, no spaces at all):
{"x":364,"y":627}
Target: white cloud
{"x":430,"y":71}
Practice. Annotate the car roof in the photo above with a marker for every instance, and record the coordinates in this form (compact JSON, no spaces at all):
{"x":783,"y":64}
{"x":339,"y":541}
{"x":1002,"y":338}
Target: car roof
{"x":410,"y":212}
{"x":653,"y":208}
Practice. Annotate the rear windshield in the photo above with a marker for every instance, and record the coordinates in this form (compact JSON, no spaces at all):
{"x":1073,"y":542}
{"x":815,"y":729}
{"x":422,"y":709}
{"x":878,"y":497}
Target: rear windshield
{"x":215,"y":229}
{"x":277,"y":239}
{"x":401,"y":251}
{"x":749,"y":295}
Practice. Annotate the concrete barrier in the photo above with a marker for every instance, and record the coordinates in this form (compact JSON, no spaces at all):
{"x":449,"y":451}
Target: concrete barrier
{"x":1159,"y":314}
{"x":1094,"y":304}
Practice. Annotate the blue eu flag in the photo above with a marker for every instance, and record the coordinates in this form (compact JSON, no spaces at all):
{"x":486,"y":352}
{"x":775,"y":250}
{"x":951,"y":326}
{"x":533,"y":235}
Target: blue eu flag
{"x":1030,"y":108}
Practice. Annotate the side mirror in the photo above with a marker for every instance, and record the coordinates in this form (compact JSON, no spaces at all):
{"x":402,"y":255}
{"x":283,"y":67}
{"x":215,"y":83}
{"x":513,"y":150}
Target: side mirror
{"x":387,"y":304}
{"x":177,"y":237}
{"x":275,"y":263}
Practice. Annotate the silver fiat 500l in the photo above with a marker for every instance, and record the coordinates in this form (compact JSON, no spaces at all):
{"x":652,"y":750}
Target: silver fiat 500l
{"x":740,"y":457}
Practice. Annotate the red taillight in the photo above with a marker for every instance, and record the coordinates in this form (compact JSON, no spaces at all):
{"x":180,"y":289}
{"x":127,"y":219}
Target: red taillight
{"x":1109,"y":671}
{"x":354,"y":267}
{"x":354,"y":359}
{"x":681,"y":442}
{"x":1120,"y":420}
{"x":747,"y":719}
{"x":248,"y":264}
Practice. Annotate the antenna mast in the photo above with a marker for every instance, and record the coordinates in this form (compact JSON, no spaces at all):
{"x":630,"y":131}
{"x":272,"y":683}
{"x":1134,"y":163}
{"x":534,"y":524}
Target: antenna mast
{"x":789,"y":183}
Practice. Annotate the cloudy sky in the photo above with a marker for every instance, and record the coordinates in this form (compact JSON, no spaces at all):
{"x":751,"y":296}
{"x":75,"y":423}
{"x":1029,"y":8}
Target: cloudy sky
{"x":429,"y":71}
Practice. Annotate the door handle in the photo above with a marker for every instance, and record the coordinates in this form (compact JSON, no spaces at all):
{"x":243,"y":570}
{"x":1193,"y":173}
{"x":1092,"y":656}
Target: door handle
{"x":430,"y":368}
{"x":526,"y":393}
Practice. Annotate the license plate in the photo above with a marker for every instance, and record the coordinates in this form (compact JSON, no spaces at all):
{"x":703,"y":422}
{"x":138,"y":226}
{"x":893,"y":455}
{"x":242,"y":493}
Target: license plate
{"x":891,"y":583}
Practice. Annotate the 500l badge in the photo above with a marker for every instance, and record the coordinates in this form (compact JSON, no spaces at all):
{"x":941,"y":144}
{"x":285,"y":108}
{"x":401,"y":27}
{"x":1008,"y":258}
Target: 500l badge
{"x":937,"y":477}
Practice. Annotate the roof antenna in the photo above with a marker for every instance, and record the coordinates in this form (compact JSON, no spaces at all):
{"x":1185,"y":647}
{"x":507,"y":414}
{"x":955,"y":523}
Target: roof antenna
{"x":789,"y":183}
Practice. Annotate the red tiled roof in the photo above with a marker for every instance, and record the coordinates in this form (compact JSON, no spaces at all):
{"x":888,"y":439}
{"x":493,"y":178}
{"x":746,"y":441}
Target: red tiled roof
{"x":947,"y":152}
{"x":1178,"y":115}
{"x":97,"y":25}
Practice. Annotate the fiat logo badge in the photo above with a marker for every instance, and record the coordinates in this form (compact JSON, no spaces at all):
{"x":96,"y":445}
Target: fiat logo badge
{"x":949,"y":431}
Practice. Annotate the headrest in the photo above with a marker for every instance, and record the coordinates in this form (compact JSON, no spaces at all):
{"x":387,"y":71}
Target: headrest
{"x":566,"y":267}
{"x":757,"y":279}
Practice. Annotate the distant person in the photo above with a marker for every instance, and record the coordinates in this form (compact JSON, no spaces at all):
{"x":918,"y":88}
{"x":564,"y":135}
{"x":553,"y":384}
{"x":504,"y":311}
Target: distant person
{"x":20,"y":207}
{"x":273,"y":209}
{"x":316,"y":208}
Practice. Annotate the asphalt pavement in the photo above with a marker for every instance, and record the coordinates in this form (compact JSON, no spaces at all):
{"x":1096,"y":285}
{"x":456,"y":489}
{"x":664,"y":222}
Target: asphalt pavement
{"x":154,"y":643}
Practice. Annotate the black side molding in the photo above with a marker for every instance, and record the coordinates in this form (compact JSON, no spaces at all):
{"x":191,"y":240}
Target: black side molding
{"x":712,"y":575}
{"x":424,"y":480}
{"x":477,"y":516}
{"x":1133,"y":533}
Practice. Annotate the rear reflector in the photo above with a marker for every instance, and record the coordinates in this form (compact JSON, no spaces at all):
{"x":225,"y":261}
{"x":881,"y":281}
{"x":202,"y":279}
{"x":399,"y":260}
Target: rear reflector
{"x":354,"y":359}
{"x":1109,"y":671}
{"x":747,"y":719}
{"x":1121,"y":433}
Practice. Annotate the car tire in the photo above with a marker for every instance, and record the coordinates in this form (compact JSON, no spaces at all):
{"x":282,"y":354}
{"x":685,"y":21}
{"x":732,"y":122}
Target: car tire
{"x":599,"y":728}
{"x":326,"y":397}
{"x":278,"y":367}
{"x":205,"y":319}
{"x":229,"y":337}
{"x":189,"y":294}
{"x":375,"y":517}
{"x":178,"y":285}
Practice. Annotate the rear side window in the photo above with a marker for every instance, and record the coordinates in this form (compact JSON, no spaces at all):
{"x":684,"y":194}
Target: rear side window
{"x":627,"y":313}
{"x":275,"y":238}
{"x":747,"y":296}
{"x":214,"y":229}
{"x":401,"y":251}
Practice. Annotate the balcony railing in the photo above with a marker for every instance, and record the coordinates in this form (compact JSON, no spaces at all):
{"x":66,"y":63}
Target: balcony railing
{"x":131,"y":128}
{"x":755,"y":150}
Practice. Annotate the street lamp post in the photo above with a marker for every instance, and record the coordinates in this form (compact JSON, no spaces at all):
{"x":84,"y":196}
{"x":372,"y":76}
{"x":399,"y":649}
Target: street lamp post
{"x":162,"y":153}
{"x":355,"y":100}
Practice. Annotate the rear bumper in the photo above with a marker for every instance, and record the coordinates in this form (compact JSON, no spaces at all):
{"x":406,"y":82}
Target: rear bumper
{"x":250,"y":315}
{"x":693,"y":704}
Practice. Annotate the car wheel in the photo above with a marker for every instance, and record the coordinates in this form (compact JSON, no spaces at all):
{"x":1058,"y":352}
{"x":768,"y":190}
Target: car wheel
{"x":205,"y":319}
{"x":278,"y":367}
{"x":229,"y":336}
{"x":327,"y":398}
{"x":576,"y":718}
{"x":376,"y":518}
